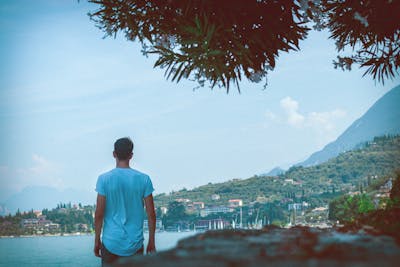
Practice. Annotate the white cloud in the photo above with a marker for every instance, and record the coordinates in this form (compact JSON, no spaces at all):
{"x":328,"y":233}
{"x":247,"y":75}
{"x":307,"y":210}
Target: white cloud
{"x":291,"y":107}
{"x":42,"y":172}
{"x":324,"y":121}
{"x":321,"y":122}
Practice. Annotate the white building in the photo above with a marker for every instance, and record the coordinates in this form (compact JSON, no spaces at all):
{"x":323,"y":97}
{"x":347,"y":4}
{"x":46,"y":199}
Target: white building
{"x":216,"y":209}
{"x":215,"y":197}
{"x":198,"y":205}
{"x":235,"y":203}
{"x":298,"y":206}
{"x":164,"y":210}
{"x":182,"y":200}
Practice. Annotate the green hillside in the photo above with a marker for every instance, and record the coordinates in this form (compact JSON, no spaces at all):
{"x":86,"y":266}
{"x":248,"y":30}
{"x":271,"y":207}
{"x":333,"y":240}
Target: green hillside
{"x":347,"y":172}
{"x":382,"y":118}
{"x":375,"y":158}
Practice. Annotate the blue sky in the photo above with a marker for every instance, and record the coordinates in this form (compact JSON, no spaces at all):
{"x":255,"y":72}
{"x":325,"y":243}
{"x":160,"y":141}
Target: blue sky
{"x":67,"y":94}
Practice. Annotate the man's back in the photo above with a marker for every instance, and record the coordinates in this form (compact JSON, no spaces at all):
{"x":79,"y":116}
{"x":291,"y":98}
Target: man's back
{"x":124,"y":190}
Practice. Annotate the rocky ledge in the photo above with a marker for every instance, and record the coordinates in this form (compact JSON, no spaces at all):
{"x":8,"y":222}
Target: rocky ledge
{"x":298,"y":246}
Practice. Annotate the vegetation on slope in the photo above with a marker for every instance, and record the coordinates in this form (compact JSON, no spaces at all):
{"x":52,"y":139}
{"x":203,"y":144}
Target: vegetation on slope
{"x":350,"y":171}
{"x":359,"y":211}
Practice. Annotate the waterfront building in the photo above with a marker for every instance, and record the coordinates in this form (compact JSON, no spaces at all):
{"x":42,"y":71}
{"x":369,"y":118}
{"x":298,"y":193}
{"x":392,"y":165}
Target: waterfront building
{"x":320,"y":210}
{"x":288,"y":181}
{"x":81,"y":227}
{"x":164,"y":210}
{"x":29,"y":223}
{"x":215,"y":209}
{"x":52,"y":227}
{"x":234,"y":203}
{"x":37,"y":213}
{"x":213,"y":224}
{"x":215,"y":197}
{"x":198,"y":205}
{"x":39,"y":224}
{"x":387,"y":186}
{"x":182,"y":200}
{"x":298,"y":206}
{"x":295,"y":206}
{"x":261,"y":199}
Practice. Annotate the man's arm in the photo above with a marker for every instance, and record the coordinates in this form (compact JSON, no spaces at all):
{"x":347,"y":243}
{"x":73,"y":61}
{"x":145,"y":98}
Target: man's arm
{"x":98,"y":223}
{"x":151,"y":216}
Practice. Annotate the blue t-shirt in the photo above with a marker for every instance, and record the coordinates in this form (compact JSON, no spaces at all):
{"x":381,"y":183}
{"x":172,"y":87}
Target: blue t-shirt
{"x":124,"y":189}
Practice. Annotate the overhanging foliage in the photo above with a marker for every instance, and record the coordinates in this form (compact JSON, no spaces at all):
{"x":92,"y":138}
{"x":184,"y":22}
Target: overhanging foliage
{"x":223,"y":41}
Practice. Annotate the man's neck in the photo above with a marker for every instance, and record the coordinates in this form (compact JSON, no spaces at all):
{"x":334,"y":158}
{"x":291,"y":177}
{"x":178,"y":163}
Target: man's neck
{"x":122,"y":164}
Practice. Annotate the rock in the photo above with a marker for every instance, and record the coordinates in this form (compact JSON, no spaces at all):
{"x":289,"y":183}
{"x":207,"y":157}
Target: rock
{"x":298,"y":246}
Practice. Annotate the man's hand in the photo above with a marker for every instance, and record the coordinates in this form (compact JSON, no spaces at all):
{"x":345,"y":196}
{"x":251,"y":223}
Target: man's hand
{"x":151,"y":216}
{"x":98,"y":223}
{"x":97,"y":248}
{"x":151,"y":247}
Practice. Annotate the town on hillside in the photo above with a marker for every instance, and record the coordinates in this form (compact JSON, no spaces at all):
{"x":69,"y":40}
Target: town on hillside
{"x":340,"y":190}
{"x":185,"y":215}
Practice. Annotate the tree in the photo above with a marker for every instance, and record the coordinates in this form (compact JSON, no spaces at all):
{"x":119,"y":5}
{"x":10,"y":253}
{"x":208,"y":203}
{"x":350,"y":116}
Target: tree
{"x":395,"y":191}
{"x":176,"y":211}
{"x":365,"y":204}
{"x":219,"y":41}
{"x":222,"y":41}
{"x":159,"y":213}
{"x":371,"y":28}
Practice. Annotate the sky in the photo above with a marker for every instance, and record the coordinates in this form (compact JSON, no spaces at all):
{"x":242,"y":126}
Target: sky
{"x":67,"y":94}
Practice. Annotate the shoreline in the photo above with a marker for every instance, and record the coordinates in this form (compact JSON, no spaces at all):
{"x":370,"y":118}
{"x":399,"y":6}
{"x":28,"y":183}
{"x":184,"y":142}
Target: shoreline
{"x":73,"y":234}
{"x":46,"y":235}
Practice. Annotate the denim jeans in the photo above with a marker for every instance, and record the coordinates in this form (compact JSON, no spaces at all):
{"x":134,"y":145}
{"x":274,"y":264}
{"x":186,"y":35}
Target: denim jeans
{"x":107,"y":258}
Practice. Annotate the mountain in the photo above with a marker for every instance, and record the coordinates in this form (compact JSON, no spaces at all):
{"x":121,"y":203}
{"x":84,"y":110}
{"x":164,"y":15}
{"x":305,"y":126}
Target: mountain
{"x":383,"y":118}
{"x":3,"y":210}
{"x":346,"y":172}
{"x":275,"y":172}
{"x":379,"y":157}
{"x":40,"y":197}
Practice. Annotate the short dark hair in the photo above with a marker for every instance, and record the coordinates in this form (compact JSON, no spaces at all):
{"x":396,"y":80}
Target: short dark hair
{"x":123,"y":148}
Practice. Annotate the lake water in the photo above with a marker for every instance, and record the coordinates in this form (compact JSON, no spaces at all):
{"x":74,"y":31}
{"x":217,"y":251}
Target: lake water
{"x":65,"y":250}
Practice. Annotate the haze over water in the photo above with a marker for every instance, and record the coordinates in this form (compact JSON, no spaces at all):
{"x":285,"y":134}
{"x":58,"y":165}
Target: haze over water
{"x":65,"y":250}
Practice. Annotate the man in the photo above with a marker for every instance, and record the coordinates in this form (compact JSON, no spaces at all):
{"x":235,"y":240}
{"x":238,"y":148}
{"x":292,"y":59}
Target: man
{"x":119,"y":209}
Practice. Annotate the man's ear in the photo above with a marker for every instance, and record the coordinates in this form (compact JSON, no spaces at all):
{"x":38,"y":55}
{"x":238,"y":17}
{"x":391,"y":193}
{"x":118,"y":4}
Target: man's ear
{"x":131,"y":156}
{"x":114,"y":154}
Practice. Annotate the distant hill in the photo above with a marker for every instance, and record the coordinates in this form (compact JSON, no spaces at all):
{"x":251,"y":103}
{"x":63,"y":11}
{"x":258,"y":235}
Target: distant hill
{"x":275,"y":172}
{"x":378,"y":157}
{"x":348,"y":171}
{"x":3,"y":210}
{"x":383,"y":118}
{"x":40,"y":197}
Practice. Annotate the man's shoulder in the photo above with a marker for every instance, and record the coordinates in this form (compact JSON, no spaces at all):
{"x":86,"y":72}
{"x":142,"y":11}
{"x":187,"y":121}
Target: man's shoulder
{"x":139,"y":173}
{"x":106,"y":174}
{"x":130,"y":172}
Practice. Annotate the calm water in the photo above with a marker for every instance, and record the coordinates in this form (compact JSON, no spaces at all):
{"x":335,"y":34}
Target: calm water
{"x":64,"y":250}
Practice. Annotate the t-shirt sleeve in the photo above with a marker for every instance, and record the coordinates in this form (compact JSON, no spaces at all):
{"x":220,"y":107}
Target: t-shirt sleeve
{"x":148,"y":188}
{"x":100,"y":186}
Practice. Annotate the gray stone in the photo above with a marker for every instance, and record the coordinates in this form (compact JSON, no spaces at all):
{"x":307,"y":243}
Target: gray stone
{"x":298,"y":246}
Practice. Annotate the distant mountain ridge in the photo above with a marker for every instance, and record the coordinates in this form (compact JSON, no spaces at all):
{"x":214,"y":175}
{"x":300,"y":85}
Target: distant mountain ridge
{"x":39,"y":197}
{"x":383,"y":118}
{"x":379,"y":157}
{"x":275,"y":172}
